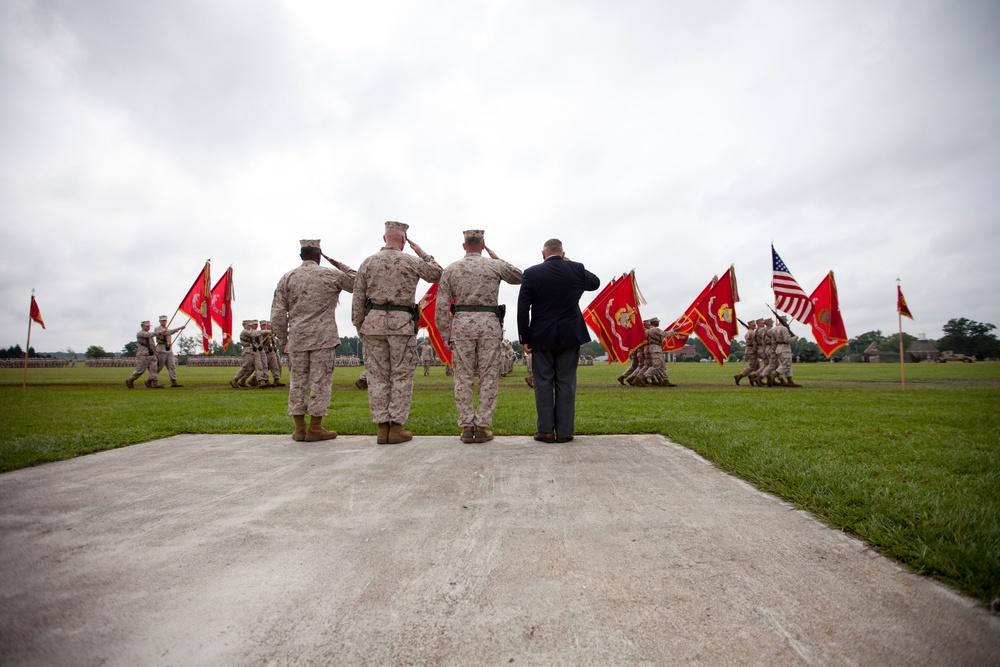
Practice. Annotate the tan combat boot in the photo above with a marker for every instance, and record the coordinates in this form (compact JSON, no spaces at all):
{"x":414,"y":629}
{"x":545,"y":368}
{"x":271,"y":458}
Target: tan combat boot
{"x":483,"y":434}
{"x":737,"y":378}
{"x":173,"y":383}
{"x":152,"y":384}
{"x":468,"y":434}
{"x":316,"y":432}
{"x":232,"y":383}
{"x":530,"y":381}
{"x":621,"y":380}
{"x":790,"y":383}
{"x":299,"y":434}
{"x":130,"y":383}
{"x":383,"y":433}
{"x":397,"y":434}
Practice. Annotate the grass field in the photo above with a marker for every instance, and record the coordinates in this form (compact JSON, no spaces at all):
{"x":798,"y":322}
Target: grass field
{"x":916,"y":474}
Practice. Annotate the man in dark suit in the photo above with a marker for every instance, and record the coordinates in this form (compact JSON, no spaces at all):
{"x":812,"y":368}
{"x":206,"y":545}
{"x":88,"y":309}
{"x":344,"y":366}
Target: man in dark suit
{"x":550,"y":327}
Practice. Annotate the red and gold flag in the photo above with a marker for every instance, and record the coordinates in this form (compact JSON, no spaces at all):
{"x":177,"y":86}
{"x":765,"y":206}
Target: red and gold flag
{"x":717,"y":326}
{"x":220,"y":306}
{"x":614,"y":317}
{"x":683,"y":326}
{"x":35,"y":313}
{"x":195,"y":304}
{"x":901,"y":303}
{"x":428,"y":305}
{"x":827,"y":324}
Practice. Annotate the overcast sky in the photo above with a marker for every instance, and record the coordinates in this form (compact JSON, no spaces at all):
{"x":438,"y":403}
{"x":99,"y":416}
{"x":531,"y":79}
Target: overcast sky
{"x":674,"y":138}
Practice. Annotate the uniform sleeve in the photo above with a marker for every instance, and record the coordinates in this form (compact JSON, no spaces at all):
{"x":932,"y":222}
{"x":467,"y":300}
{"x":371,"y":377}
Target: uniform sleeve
{"x":428,"y":269}
{"x":442,"y":308}
{"x":360,"y":293}
{"x":279,"y":313}
{"x":510,"y":273}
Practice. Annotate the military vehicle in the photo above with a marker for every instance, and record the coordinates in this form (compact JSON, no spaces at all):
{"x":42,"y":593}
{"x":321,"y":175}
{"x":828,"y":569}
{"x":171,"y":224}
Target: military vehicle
{"x":951,"y":356}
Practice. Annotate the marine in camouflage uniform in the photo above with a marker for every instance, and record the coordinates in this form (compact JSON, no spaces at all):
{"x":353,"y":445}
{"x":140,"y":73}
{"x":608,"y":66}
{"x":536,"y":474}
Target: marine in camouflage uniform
{"x":783,"y":338}
{"x":657,"y":363}
{"x":529,"y":379}
{"x":272,"y":360}
{"x":640,"y":375}
{"x":303,"y":319}
{"x":474,"y":333}
{"x":145,"y":358}
{"x":385,"y":313}
{"x":250,"y":366}
{"x":753,"y":361}
{"x":507,"y":357}
{"x":164,"y":353}
{"x":426,"y":356}
{"x":766,"y":351}
{"x":633,"y":358}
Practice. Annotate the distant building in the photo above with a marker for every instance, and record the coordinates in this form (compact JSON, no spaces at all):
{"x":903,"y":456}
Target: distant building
{"x":923,"y":348}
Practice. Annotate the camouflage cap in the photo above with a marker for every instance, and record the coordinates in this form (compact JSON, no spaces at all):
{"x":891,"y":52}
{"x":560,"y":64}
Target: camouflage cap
{"x":252,"y":322}
{"x":163,"y":317}
{"x":144,"y":323}
{"x":752,"y":324}
{"x":474,"y":234}
{"x":401,"y":226}
{"x":654,"y":320}
{"x":246,"y":323}
{"x":265,"y":322}
{"x":309,"y":243}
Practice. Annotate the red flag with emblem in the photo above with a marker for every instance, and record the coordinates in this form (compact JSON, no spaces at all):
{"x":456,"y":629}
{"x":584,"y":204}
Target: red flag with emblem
{"x":683,"y":326}
{"x":717,"y":326}
{"x":195,"y":304}
{"x":827,"y":324}
{"x":428,"y":306}
{"x":35,"y":313}
{"x":220,"y":306}
{"x":901,"y":307}
{"x":614,"y":317}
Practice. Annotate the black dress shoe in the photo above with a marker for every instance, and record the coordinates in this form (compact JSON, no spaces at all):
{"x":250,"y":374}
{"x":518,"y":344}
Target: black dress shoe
{"x":545,"y":437}
{"x":564,"y":439}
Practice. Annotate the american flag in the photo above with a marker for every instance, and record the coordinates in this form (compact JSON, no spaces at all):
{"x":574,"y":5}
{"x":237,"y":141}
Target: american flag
{"x":788,"y":296}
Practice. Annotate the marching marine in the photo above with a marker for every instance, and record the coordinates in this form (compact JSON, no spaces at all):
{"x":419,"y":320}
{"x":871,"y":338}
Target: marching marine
{"x":250,"y":366}
{"x":272,"y":360}
{"x":164,"y":353}
{"x":753,"y":362}
{"x":145,"y":358}
{"x":783,"y":339}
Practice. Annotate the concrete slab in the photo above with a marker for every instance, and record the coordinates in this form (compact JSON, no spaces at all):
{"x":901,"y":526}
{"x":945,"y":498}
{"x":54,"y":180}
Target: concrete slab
{"x":240,"y":550}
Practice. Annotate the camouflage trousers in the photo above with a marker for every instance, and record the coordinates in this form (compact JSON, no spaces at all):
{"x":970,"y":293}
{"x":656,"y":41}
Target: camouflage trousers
{"x":657,"y":365}
{"x":250,"y":365}
{"x":784,"y":355}
{"x":768,"y":364}
{"x":144,"y":362}
{"x":311,"y":382}
{"x":427,"y":366}
{"x":632,"y":367}
{"x":170,"y":361}
{"x":472,"y":357}
{"x":753,"y":363}
{"x":274,"y":364}
{"x":389,"y":364}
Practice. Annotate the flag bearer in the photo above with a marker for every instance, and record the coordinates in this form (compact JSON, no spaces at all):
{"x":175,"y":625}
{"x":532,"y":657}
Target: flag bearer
{"x":164,"y":353}
{"x":145,"y":358}
{"x":783,"y":339}
{"x":753,"y":362}
{"x":250,"y":360}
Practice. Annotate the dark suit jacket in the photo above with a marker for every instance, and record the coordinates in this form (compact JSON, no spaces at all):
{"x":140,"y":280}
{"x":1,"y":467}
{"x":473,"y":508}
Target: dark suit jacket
{"x":548,"y":306}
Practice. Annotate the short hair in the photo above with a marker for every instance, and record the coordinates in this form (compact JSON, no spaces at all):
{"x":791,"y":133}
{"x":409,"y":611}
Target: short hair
{"x":553,"y":245}
{"x":474,"y":240}
{"x":310,"y":252}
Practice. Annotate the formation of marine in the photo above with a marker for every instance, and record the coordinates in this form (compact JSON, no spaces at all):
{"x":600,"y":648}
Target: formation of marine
{"x":768,"y":353}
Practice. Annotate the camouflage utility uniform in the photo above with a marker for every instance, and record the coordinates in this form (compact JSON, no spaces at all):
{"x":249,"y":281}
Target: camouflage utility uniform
{"x":303,"y":319}
{"x":383,"y":312}
{"x":145,"y":357}
{"x":474,"y":333}
{"x":164,"y":353}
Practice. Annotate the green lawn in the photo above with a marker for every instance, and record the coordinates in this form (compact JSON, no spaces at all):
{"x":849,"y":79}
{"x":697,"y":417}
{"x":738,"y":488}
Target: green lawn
{"x":916,"y":473}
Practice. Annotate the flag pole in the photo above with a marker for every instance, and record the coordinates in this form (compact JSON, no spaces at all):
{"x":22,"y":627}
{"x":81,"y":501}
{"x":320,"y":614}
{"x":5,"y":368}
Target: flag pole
{"x":902,"y":368}
{"x":27,"y":346}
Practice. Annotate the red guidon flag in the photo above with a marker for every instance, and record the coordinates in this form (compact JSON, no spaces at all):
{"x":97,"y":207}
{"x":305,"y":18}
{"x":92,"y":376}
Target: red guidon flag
{"x":827,"y":324}
{"x":901,"y":303}
{"x":195,"y":304}
{"x":35,"y":313}
{"x":614,"y":317}
{"x":717,"y":326}
{"x":428,"y":305}
{"x":683,"y":326}
{"x":220,"y":306}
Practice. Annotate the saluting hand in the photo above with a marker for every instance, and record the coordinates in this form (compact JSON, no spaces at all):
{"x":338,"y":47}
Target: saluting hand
{"x":492,"y":254}
{"x":413,"y":245}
